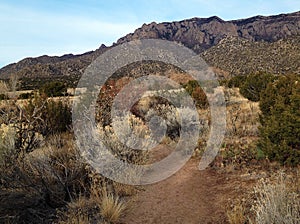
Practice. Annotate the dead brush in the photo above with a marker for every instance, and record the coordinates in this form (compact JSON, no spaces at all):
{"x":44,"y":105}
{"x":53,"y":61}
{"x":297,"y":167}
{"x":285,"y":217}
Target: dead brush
{"x":124,"y":190}
{"x":276,"y":203}
{"x":78,"y":212}
{"x":237,"y":215}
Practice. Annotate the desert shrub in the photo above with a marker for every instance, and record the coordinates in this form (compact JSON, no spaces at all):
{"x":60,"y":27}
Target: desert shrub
{"x":51,"y":179}
{"x":238,"y":152}
{"x":70,"y":170}
{"x":3,"y":96}
{"x":7,"y":143}
{"x":280,"y":119}
{"x":78,"y":211}
{"x":53,"y":89}
{"x":131,"y":129}
{"x":12,"y":115}
{"x":199,"y":96}
{"x":54,"y":116}
{"x":3,"y":87}
{"x":38,"y":180}
{"x":236,"y":81}
{"x":170,"y":116}
{"x":242,"y":120}
{"x":24,"y":96}
{"x":34,"y":186}
{"x":275,"y":203}
{"x":35,"y":119}
{"x":254,"y":84}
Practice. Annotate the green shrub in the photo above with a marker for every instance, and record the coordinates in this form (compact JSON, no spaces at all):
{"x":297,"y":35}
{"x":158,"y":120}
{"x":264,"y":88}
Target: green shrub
{"x":54,"y":89}
{"x":55,"y":116}
{"x":254,"y":84}
{"x":195,"y":90}
{"x":280,"y":120}
{"x":236,"y":81}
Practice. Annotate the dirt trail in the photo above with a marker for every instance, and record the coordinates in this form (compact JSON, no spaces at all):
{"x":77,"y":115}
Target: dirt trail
{"x":188,"y":197}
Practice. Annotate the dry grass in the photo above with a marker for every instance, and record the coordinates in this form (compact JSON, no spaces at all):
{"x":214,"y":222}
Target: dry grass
{"x":237,"y":214}
{"x":77,"y":219}
{"x":124,"y":190}
{"x":242,"y":116}
{"x":77,"y":212}
{"x":98,"y":207}
{"x":111,"y":207}
{"x":276,"y":203}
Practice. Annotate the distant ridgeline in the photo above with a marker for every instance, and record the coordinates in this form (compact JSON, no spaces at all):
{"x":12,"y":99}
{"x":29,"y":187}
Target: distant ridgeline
{"x":238,"y":47}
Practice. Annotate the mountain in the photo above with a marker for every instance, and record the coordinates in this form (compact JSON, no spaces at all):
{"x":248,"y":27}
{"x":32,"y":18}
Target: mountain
{"x":223,"y":44}
{"x":50,"y":66}
{"x":239,"y":56}
{"x":200,"y":34}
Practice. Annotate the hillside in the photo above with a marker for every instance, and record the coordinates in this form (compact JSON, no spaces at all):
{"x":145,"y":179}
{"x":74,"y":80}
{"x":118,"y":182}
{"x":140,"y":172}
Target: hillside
{"x":238,"y":56}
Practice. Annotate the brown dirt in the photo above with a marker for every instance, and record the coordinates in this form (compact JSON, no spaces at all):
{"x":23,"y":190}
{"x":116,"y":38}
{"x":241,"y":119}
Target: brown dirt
{"x":189,"y":196}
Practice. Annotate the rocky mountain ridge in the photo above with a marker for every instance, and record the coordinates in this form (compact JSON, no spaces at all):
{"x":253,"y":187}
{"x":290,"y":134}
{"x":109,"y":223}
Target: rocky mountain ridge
{"x":200,"y":34}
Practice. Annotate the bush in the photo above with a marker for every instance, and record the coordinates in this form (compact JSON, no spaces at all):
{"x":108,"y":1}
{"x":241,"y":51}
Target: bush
{"x":199,"y":96}
{"x":35,"y":119}
{"x":280,"y":119}
{"x":54,"y":89}
{"x":54,"y":116}
{"x":3,"y":97}
{"x":131,"y":129}
{"x":276,"y":203}
{"x":7,"y":143}
{"x":33,"y":186}
{"x":236,"y":81}
{"x":254,"y":84}
{"x":24,"y":96}
{"x":36,"y":184}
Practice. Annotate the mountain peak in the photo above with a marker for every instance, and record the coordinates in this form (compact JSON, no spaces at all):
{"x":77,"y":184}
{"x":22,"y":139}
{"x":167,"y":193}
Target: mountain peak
{"x":198,"y":34}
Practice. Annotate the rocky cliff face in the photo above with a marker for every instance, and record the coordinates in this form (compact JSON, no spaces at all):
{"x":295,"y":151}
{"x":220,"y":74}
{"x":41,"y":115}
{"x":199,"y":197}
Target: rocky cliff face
{"x":198,"y":34}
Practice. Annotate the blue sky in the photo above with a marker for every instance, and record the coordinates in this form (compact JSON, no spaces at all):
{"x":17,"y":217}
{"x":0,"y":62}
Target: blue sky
{"x":56,"y":27}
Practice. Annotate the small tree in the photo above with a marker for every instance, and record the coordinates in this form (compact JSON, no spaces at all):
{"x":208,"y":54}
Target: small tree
{"x":280,"y":119}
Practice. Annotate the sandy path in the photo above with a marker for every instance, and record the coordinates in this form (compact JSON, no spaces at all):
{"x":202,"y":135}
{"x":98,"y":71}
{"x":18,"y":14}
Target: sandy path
{"x":190,"y":196}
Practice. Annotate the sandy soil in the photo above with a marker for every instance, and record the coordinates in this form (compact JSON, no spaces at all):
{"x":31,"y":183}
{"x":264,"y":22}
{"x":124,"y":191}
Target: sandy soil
{"x":189,"y":196}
